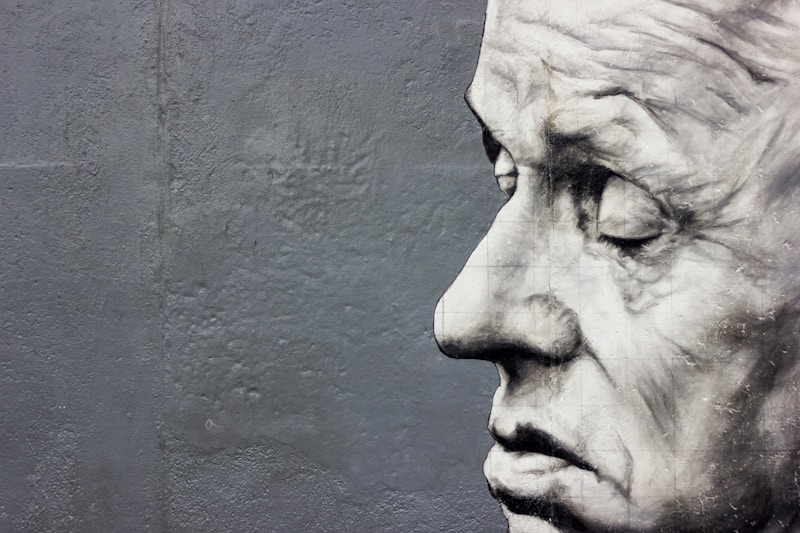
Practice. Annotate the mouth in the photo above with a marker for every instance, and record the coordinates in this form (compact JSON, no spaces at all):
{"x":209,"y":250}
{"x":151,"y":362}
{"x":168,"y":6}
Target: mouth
{"x":536,"y":477}
{"x":527,"y":471}
{"x":528,"y":440}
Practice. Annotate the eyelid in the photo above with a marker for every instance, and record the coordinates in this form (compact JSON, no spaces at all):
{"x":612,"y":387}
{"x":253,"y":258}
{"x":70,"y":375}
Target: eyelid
{"x":628,"y":212}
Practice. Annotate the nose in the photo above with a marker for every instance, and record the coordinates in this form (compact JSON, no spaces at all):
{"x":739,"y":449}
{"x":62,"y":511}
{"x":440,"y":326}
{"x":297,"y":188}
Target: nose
{"x":496,"y":309}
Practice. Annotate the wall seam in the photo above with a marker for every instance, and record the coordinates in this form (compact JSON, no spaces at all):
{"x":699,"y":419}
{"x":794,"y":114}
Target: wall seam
{"x":162,"y":229}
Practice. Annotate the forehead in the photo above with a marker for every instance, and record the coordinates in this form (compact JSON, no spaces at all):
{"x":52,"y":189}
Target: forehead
{"x":630,"y":34}
{"x":709,"y":62}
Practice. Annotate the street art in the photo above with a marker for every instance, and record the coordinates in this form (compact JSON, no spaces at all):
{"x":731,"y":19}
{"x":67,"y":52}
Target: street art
{"x":638,"y":291}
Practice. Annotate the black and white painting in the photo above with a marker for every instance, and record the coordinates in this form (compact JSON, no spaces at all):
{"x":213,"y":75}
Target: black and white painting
{"x":225,"y":226}
{"x":638,"y":290}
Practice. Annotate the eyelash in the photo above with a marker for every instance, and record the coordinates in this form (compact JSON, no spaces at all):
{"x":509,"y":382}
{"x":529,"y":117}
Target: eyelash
{"x":627,"y":247}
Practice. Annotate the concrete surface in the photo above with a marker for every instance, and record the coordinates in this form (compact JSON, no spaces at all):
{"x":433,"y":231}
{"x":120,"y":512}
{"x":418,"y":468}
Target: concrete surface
{"x":225,"y":225}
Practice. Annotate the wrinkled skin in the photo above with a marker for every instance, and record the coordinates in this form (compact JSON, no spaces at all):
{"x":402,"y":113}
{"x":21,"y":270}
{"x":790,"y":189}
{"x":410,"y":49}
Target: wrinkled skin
{"x":638,"y":291}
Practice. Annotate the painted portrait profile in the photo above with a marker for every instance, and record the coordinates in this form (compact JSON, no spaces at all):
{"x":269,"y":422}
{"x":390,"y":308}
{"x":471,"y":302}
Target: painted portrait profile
{"x":639,"y":290}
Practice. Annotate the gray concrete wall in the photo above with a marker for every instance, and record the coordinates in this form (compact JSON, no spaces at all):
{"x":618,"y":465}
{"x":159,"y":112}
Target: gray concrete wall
{"x":224,"y":228}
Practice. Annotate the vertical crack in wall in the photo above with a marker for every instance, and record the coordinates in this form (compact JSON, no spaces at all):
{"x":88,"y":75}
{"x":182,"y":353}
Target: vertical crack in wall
{"x":163,"y":180}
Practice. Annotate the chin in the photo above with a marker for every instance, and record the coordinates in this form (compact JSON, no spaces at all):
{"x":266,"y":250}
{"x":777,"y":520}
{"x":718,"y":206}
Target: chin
{"x":759,"y":514}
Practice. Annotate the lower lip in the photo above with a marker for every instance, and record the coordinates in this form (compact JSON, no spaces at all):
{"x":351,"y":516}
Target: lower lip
{"x":533,"y":474}
{"x":533,"y":477}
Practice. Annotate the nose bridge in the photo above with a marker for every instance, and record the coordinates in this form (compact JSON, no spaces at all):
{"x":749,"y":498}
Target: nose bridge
{"x":503,"y":298}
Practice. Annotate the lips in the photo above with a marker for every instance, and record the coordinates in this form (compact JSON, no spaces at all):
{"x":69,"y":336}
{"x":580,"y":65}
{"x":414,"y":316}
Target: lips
{"x":532,"y":473}
{"x":529,"y":440}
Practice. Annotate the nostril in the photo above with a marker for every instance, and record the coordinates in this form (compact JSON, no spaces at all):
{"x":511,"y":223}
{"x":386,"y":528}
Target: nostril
{"x":553,"y":329}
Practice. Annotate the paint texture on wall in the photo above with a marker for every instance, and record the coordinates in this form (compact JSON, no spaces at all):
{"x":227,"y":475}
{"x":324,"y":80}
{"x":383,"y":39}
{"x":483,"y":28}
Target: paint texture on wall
{"x":223,"y":235}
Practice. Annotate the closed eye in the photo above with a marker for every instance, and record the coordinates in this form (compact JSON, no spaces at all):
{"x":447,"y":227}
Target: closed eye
{"x":628,"y":246}
{"x":628,"y":217}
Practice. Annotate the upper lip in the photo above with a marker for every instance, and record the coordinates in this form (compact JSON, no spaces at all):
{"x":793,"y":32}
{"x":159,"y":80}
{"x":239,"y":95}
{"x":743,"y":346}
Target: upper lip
{"x":528,"y":439}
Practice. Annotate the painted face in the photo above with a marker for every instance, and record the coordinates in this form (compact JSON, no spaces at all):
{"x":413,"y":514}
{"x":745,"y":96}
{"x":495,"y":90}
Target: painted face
{"x":638,"y":290}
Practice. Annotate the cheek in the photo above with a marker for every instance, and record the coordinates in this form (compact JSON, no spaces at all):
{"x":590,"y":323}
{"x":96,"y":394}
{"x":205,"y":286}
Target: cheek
{"x":714,"y":328}
{"x":682,"y":336}
{"x":699,"y":300}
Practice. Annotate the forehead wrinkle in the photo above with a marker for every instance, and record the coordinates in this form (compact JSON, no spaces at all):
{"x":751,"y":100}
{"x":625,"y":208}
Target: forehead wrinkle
{"x":751,"y":36}
{"x":734,"y":17}
{"x":753,"y":70}
{"x":525,"y":77}
{"x":661,"y":102}
{"x":562,"y":35}
{"x":682,"y":28}
{"x":727,"y":98}
{"x":678,"y":46}
{"x":618,"y":63}
{"x":724,"y":95}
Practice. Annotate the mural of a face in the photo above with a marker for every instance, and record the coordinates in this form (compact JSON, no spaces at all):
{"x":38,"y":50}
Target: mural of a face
{"x":638,"y":291}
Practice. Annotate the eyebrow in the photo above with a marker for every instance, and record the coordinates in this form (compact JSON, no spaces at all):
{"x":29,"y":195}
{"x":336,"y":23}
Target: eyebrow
{"x":649,"y":106}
